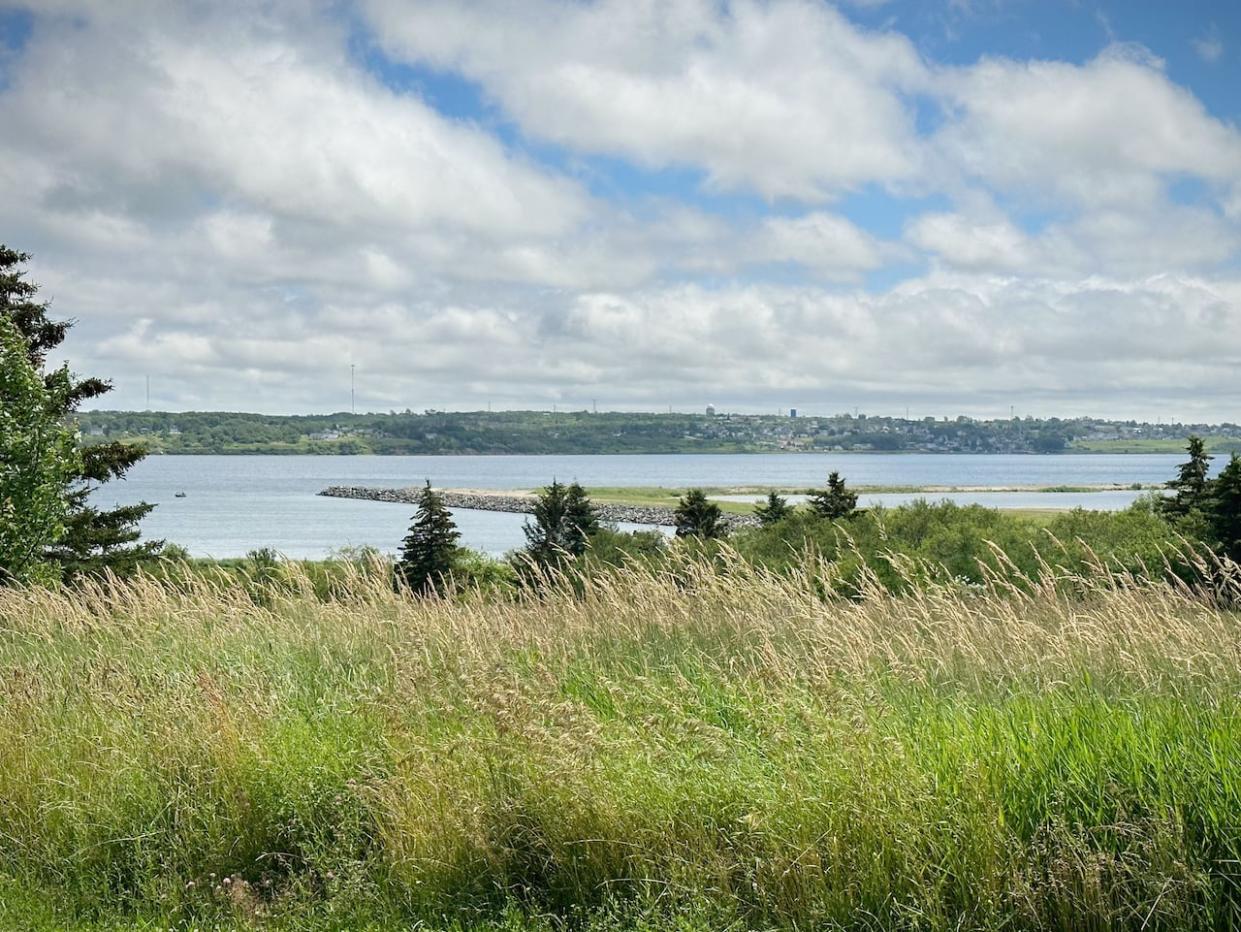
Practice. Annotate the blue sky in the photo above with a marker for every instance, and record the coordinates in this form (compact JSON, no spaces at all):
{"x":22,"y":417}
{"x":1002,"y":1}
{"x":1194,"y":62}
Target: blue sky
{"x":953,"y":206}
{"x":949,"y":33}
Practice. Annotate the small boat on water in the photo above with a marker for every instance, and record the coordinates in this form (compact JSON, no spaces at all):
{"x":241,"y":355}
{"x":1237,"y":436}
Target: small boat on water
{"x":179,"y":495}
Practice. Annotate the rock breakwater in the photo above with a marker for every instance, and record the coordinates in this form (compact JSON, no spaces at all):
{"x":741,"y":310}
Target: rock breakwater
{"x":519,"y":503}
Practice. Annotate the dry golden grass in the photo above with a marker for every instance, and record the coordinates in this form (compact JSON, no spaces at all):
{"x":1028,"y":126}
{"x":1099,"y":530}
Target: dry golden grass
{"x":703,"y":743}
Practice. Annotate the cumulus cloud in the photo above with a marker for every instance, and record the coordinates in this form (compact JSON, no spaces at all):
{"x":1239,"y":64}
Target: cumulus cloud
{"x":232,"y":202}
{"x":789,"y":99}
{"x":1111,"y":132}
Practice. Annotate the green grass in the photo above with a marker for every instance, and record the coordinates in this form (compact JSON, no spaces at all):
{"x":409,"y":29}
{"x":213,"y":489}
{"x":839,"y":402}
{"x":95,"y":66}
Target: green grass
{"x":666,"y":497}
{"x":690,"y":748}
{"x":1162,"y":445}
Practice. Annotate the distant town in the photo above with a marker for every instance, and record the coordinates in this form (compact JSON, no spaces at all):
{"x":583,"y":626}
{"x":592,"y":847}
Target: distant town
{"x":566,"y":432}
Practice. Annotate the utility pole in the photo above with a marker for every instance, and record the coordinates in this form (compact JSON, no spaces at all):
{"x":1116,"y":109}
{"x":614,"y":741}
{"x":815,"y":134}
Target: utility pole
{"x":594,"y":404}
{"x":148,"y":393}
{"x":353,"y":394}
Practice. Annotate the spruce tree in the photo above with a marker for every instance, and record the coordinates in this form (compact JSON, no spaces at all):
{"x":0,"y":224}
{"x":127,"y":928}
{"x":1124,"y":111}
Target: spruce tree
{"x":581,"y":520}
{"x":564,"y":521}
{"x":94,"y":539}
{"x":835,"y":501}
{"x":545,"y":543}
{"x":1190,"y":484}
{"x":776,"y":508}
{"x":698,"y":517}
{"x":430,"y":549}
{"x":1225,"y":510}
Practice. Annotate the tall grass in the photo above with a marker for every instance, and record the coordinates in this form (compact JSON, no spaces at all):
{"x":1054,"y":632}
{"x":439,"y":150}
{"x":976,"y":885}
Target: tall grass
{"x":700,"y":745}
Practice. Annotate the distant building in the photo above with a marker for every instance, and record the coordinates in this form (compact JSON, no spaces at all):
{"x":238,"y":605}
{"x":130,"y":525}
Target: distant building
{"x":792,"y":412}
{"x":710,"y":410}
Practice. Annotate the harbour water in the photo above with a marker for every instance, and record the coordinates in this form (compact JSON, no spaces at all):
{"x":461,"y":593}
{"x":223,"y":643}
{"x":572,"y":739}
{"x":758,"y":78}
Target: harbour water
{"x":233,"y":504}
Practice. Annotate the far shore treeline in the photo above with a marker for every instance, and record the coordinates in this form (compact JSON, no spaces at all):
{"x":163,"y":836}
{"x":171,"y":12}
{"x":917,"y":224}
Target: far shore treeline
{"x":586,"y":432}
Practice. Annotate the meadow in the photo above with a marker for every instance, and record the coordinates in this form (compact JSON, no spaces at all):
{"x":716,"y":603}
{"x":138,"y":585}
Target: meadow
{"x":697,"y":744}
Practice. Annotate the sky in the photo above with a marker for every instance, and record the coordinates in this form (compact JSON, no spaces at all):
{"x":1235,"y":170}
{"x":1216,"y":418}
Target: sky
{"x":935,"y":206}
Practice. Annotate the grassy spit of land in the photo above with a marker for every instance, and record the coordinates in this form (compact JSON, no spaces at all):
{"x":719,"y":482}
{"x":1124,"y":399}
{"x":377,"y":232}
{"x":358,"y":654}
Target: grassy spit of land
{"x":668,"y":496}
{"x":701,"y":746}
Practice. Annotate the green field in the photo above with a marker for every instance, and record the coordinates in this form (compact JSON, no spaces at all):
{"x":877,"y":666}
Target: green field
{"x":1217,"y":445}
{"x":667,"y":497}
{"x":700,"y":747}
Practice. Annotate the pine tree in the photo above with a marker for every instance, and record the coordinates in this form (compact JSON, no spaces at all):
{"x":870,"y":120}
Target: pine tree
{"x":835,"y":501}
{"x":776,"y":508}
{"x":698,"y":517}
{"x":430,"y":549}
{"x":38,"y":457}
{"x":94,"y":539}
{"x":1190,"y":484}
{"x":1225,"y":510}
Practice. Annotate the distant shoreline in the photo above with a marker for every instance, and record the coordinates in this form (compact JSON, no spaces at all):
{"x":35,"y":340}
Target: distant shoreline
{"x":583,"y":433}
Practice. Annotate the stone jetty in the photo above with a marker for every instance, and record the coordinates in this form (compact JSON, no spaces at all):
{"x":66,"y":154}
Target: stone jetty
{"x":519,"y":503}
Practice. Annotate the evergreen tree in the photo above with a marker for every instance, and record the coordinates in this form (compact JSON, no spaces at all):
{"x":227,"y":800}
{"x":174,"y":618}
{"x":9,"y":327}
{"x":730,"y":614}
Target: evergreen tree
{"x":835,"y":501}
{"x":581,"y":520}
{"x":564,"y":520}
{"x":1225,"y":510}
{"x":698,"y":517}
{"x":38,"y":457}
{"x":94,"y":539}
{"x":776,"y":508}
{"x":1190,"y":484}
{"x":430,"y":549}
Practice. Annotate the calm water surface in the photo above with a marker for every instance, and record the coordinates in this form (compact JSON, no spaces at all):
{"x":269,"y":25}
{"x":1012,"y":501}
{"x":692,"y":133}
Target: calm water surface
{"x":237,"y":503}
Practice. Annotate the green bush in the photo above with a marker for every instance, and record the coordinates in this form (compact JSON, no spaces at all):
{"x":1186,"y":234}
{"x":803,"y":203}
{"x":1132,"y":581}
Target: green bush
{"x":944,"y":541}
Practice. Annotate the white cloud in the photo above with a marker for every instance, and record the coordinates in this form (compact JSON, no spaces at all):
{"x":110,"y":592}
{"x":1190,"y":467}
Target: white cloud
{"x":178,"y":117}
{"x":988,"y":243}
{"x":788,"y":99}
{"x":1209,"y":47}
{"x":1111,"y":132}
{"x":829,"y":245}
{"x":1139,"y":242}
{"x":231,"y":204}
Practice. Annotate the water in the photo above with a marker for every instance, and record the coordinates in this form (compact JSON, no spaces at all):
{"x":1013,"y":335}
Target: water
{"x":237,"y":503}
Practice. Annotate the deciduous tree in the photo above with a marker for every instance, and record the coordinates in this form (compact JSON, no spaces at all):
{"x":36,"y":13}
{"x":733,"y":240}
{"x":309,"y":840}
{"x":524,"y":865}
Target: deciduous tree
{"x":95,"y":539}
{"x":38,"y":457}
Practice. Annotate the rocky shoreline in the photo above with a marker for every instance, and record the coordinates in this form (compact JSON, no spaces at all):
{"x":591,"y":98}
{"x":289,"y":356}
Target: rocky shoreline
{"x":520,"y":504}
